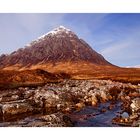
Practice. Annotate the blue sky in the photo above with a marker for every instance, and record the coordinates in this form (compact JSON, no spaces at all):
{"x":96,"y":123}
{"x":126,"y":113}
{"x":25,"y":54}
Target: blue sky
{"x":115,"y":36}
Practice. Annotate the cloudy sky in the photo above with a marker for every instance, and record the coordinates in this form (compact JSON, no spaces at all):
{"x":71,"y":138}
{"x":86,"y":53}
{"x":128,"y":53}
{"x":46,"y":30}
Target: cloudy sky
{"x":115,"y":36}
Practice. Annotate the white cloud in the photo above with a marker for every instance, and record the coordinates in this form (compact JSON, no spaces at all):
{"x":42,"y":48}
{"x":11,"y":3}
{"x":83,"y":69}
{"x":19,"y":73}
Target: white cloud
{"x":114,"y":48}
{"x":136,"y":66}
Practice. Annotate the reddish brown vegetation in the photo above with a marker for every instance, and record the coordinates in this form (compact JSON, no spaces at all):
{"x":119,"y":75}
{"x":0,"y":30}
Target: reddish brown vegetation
{"x":13,"y":79}
{"x":76,"y":71}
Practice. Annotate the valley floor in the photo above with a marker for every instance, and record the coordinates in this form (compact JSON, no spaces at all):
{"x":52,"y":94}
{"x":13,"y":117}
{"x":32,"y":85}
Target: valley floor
{"x":70,"y":103}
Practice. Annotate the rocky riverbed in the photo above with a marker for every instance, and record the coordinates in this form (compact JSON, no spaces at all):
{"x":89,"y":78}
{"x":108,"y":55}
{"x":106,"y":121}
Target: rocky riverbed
{"x":71,"y":103}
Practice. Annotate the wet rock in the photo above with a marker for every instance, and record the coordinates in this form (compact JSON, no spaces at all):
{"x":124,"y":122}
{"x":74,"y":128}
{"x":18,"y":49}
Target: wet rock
{"x":67,"y":110}
{"x":126,"y":120}
{"x":11,"y":110}
{"x":136,"y":123}
{"x":28,"y":94}
{"x":67,"y":120}
{"x":94,"y":99}
{"x":57,"y":120}
{"x":22,"y":89}
{"x":59,"y":106}
{"x":90,"y":99}
{"x":122,"y":121}
{"x":127,"y":98}
{"x":126,"y":105}
{"x":50,"y":118}
{"x":48,"y":100}
{"x":135,"y":105}
{"x":14,"y":97}
{"x":109,"y":97}
{"x":125,"y":115}
{"x":103,"y":96}
{"x":36,"y":124}
{"x":91,"y":88}
{"x":9,"y":97}
{"x":134,"y":94}
{"x":53,"y":120}
{"x":111,"y":106}
{"x":6,"y":99}
{"x":85,"y":97}
{"x":122,"y":98}
{"x":133,"y":117}
{"x":67,"y":96}
{"x":80,"y":105}
{"x":103,"y":110}
{"x":130,"y":89}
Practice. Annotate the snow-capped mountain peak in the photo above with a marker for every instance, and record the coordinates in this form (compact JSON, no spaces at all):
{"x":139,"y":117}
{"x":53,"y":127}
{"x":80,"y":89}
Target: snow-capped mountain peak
{"x":58,"y":45}
{"x":59,"y":32}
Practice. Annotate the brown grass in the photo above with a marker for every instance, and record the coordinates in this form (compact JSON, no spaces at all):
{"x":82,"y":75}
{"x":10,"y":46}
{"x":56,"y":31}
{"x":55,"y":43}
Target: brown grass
{"x":40,"y":74}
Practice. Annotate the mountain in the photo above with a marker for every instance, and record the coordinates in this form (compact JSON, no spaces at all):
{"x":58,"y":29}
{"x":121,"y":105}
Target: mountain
{"x":58,"y":46}
{"x":59,"y":54}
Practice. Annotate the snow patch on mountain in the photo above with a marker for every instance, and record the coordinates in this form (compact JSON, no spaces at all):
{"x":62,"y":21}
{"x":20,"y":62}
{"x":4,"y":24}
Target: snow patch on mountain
{"x":60,"y":31}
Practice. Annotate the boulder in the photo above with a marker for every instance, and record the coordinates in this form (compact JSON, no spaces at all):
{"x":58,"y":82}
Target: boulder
{"x":47,"y":100}
{"x":28,"y":94}
{"x":133,"y":117}
{"x":94,"y":100}
{"x":111,"y":106}
{"x":134,"y":94}
{"x":13,"y":110}
{"x":80,"y":105}
{"x":135,"y":105}
{"x":103,"y":110}
{"x":125,"y":115}
{"x":103,"y":96}
{"x":9,"y":98}
{"x":93,"y":103}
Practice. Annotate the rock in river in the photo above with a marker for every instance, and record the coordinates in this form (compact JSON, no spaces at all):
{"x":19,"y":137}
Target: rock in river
{"x":135,"y":105}
{"x":13,"y":109}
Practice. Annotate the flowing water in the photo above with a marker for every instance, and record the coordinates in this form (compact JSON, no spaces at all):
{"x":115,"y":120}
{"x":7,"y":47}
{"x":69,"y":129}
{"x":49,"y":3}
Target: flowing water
{"x":99,"y":116}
